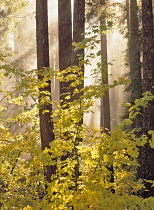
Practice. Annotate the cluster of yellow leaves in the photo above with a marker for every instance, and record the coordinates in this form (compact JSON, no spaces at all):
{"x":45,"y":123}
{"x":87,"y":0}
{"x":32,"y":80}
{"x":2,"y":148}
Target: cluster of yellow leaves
{"x":95,"y":173}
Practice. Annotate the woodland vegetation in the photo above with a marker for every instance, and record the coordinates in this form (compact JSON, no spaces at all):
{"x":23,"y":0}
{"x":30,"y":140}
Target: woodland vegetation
{"x":54,"y":160}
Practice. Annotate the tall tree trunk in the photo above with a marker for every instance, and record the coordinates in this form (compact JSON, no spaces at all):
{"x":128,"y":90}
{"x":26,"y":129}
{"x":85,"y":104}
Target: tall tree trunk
{"x":146,"y":158}
{"x":65,"y":54}
{"x":105,"y":103}
{"x":134,"y":51}
{"x":78,"y":30}
{"x":78,"y":36}
{"x":46,"y":123}
{"x":65,"y":42}
{"x":135,"y":88}
{"x":78,"y":27}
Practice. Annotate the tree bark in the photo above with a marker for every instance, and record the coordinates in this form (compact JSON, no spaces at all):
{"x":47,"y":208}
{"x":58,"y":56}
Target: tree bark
{"x":105,"y":103}
{"x":78,"y":36}
{"x":134,"y":46}
{"x":146,"y":157}
{"x":65,"y":42}
{"x":46,"y":122}
{"x":78,"y":27}
{"x":134,"y":52}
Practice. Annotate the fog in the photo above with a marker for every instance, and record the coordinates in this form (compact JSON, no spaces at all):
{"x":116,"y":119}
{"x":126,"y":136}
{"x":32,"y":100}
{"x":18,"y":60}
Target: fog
{"x":23,"y":42}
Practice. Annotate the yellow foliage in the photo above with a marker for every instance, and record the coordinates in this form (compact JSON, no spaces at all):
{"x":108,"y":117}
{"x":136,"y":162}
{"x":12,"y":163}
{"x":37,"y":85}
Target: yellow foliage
{"x":94,"y":170}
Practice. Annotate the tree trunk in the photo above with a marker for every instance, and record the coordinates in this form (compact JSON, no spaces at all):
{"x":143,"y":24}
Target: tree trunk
{"x":105,"y":103}
{"x":134,"y":52}
{"x":135,"y":88}
{"x":78,"y":27}
{"x":65,"y":42}
{"x":46,"y":123}
{"x":78,"y":30}
{"x":146,"y":157}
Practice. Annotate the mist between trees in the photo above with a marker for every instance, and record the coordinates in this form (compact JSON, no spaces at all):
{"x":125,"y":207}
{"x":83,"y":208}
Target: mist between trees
{"x":76,"y":105}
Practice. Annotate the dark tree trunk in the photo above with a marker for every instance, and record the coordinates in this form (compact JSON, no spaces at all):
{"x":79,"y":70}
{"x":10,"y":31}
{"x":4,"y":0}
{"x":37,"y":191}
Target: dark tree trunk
{"x":135,"y":88}
{"x":105,"y":103}
{"x":46,"y":123}
{"x":78,"y":27}
{"x":65,"y":42}
{"x":146,"y":157}
{"x":65,"y":55}
{"x":78,"y":30}
{"x":134,"y":52}
{"x":78,"y":36}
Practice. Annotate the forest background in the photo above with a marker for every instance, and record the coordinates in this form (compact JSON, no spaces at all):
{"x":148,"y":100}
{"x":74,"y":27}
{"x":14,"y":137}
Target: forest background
{"x":51,"y":156}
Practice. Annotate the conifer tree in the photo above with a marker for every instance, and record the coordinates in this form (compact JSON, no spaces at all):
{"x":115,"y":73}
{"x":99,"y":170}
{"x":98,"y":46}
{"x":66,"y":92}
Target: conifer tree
{"x":78,"y":35}
{"x":105,"y":103}
{"x":135,"y":87}
{"x":46,"y":123}
{"x":146,"y":157}
{"x":65,"y":42}
{"x":77,"y":55}
{"x":78,"y":27}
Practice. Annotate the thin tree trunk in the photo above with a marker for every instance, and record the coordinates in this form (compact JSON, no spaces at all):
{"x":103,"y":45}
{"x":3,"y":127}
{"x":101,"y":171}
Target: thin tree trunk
{"x":46,"y":123}
{"x":146,"y":157}
{"x":105,"y":103}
